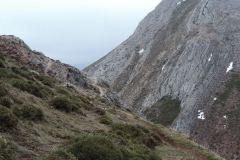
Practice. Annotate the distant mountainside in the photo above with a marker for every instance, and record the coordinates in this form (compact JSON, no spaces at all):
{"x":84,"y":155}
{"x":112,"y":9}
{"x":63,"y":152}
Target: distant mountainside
{"x":52,"y":111}
{"x":181,"y":68}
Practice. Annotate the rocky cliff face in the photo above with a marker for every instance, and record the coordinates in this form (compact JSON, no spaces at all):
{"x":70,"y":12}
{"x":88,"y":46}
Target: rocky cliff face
{"x":15,"y":48}
{"x":189,"y":50}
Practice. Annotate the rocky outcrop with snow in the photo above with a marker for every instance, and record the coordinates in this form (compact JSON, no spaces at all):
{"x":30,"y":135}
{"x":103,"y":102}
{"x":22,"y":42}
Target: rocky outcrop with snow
{"x":186,"y":49}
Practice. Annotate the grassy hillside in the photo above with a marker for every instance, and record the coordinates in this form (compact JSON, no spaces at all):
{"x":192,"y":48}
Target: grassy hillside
{"x":44,"y":119}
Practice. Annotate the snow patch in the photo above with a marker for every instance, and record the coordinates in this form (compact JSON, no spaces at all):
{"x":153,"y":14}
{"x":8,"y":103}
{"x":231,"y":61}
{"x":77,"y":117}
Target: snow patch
{"x":230,"y":67}
{"x":210,"y":58}
{"x":163,"y":67}
{"x":201,"y":115}
{"x":141,"y":51}
{"x":180,"y":2}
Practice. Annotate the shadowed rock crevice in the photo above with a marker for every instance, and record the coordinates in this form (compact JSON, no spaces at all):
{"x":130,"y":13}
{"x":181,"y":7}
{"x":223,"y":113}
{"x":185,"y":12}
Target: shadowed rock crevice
{"x":164,"y":111}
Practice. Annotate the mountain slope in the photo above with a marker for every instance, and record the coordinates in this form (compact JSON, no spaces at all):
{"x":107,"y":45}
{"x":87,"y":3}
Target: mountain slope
{"x":43,"y":118}
{"x":15,"y":48}
{"x":184,"y":51}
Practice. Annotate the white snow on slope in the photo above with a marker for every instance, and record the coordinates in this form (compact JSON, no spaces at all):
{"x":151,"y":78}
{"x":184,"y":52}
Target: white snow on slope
{"x":163,"y":67}
{"x":201,"y":115}
{"x":210,"y":58}
{"x":178,"y":3}
{"x":141,"y":51}
{"x":230,"y":67}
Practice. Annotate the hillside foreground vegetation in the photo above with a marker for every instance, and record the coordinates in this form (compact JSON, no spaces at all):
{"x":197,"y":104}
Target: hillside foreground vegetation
{"x":44,"y":119}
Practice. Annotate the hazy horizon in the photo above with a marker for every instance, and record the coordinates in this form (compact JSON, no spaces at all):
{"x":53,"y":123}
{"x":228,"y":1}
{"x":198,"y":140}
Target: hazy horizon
{"x":74,"y":32}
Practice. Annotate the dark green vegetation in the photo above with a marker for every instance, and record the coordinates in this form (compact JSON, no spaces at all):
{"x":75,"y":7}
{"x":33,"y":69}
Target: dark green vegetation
{"x":3,"y":90}
{"x":165,"y":111}
{"x":6,"y":101}
{"x":26,"y":82}
{"x":2,"y":63}
{"x":123,"y":142}
{"x":41,"y":118}
{"x":28,"y":112}
{"x":104,"y":148}
{"x":30,"y":87}
{"x":130,"y":142}
{"x":7,"y":150}
{"x":105,"y":119}
{"x":64,"y":104}
{"x":7,"y":119}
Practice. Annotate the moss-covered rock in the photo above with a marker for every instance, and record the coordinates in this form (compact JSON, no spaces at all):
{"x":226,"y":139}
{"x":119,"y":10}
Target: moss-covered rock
{"x":165,"y":111}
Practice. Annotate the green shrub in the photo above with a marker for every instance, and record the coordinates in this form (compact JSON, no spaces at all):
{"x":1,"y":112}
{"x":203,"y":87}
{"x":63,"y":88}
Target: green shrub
{"x":28,"y":112}
{"x":22,"y":72}
{"x":100,"y":99}
{"x":7,"y":119}
{"x":17,"y":100}
{"x":2,"y":64}
{"x":211,"y":157}
{"x":165,"y":111}
{"x":82,"y":102}
{"x":48,"y":81}
{"x":109,"y":147}
{"x":129,"y":131}
{"x":136,"y":134}
{"x":6,"y":101}
{"x":67,"y":104}
{"x":105,"y":120}
{"x":113,"y":110}
{"x":95,"y":148}
{"x":7,"y":150}
{"x":63,"y":91}
{"x":29,"y":87}
{"x":63,"y":104}
{"x":100,"y":111}
{"x":3,"y":90}
{"x":7,"y":73}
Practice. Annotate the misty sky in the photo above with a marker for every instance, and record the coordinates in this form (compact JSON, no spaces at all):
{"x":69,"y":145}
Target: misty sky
{"x":77,"y":32}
